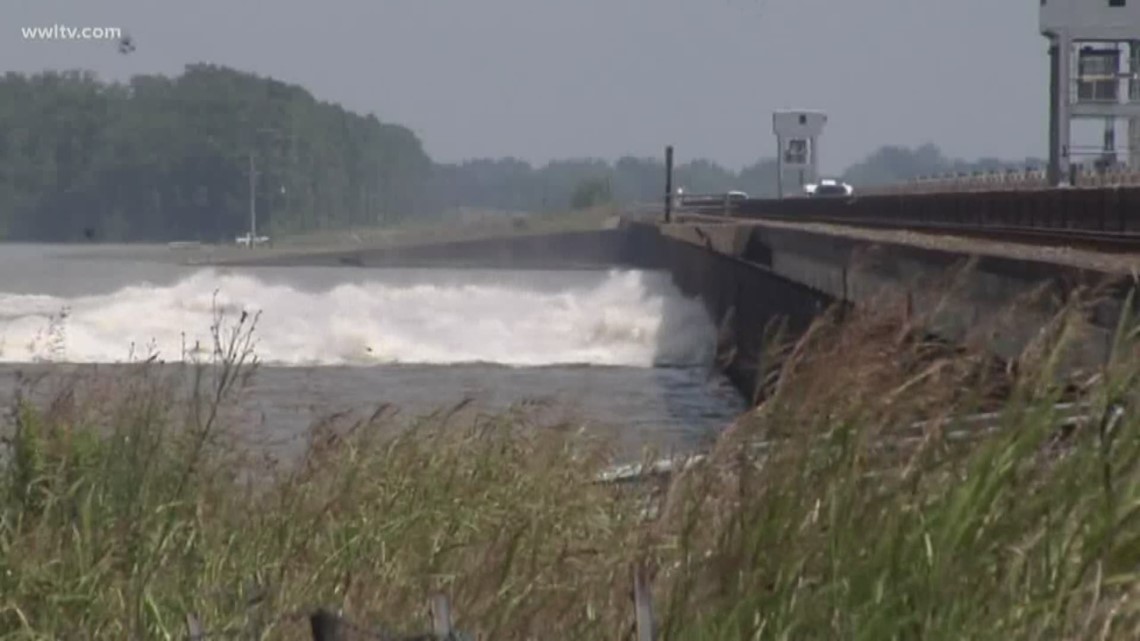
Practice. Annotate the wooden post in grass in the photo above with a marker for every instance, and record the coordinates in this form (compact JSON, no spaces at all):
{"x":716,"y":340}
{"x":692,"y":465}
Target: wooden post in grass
{"x":643,"y":604}
{"x":325,"y":626}
{"x":194,"y":631}
{"x":441,"y":617}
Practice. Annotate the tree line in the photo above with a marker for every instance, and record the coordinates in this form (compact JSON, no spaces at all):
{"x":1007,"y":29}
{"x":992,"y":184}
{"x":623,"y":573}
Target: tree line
{"x":161,"y":158}
{"x":164,"y":158}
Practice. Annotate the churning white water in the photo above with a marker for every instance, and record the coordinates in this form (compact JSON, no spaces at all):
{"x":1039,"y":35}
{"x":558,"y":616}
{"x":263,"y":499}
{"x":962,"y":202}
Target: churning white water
{"x":629,"y":318}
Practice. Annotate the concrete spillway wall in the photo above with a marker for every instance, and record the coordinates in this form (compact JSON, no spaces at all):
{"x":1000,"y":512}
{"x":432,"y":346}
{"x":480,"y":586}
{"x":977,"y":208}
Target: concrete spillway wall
{"x":750,"y":277}
{"x":1002,"y":302}
{"x":745,"y":300}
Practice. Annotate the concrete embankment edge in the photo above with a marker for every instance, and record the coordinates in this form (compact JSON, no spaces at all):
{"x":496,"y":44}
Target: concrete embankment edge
{"x":741,"y":298}
{"x":569,"y":250}
{"x":750,"y":277}
{"x":1002,"y":302}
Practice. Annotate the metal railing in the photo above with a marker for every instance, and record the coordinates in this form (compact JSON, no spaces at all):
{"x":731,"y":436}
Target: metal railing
{"x":1009,"y":180}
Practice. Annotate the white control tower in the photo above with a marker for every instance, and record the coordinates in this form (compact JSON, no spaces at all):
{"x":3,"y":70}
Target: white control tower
{"x":797,"y":138}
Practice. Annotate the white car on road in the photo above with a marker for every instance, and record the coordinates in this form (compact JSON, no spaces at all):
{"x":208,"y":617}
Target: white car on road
{"x":829,"y":187}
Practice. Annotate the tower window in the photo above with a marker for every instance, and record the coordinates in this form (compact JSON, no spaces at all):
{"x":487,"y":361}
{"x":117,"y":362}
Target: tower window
{"x":797,"y":152}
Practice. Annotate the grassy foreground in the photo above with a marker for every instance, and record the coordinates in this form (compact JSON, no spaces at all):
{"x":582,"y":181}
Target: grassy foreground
{"x":126,"y":503}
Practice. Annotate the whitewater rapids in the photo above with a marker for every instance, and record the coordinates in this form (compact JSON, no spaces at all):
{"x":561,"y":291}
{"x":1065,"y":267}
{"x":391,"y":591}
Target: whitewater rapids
{"x":628,"y":318}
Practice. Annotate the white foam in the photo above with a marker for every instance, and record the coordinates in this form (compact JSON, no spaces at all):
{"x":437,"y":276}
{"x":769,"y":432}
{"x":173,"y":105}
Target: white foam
{"x":629,"y":319}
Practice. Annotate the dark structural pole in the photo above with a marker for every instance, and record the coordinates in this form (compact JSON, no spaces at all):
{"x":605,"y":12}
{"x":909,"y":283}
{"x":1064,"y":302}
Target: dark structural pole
{"x":1054,"y":171}
{"x":669,"y":183}
{"x":325,"y":626}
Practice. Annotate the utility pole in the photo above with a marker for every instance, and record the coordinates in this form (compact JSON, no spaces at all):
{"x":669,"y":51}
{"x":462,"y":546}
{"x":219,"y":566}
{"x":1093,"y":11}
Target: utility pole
{"x":253,"y":176}
{"x":252,"y":202}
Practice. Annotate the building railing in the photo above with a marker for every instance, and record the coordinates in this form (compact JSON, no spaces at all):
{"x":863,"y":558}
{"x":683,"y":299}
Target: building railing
{"x":1009,"y":180}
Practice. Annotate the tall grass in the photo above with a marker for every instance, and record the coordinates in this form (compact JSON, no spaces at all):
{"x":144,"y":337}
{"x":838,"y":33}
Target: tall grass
{"x":128,"y":503}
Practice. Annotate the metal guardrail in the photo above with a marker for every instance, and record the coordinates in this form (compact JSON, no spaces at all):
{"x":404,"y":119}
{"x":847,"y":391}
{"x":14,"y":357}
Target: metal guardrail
{"x":1009,"y":180}
{"x":1105,"y":211}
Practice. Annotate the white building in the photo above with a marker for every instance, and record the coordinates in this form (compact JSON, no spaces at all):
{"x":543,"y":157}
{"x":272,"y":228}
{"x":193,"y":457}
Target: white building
{"x":1095,"y":64}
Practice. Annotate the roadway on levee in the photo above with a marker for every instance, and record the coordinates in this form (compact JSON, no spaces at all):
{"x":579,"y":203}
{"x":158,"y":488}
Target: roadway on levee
{"x":1102,"y":219}
{"x":1113,"y":259}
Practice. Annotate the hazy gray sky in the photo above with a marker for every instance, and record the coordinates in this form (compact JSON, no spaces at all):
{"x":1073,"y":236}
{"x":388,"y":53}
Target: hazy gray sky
{"x":542,"y":79}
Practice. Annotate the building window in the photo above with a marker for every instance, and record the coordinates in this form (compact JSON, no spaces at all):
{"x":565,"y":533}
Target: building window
{"x":797,"y":152}
{"x":1116,"y":3}
{"x":1097,"y":75}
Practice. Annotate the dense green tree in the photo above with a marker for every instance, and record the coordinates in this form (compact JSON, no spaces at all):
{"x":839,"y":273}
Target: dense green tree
{"x":163,"y":158}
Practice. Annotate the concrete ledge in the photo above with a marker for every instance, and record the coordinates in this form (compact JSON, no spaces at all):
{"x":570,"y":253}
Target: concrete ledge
{"x":1005,"y":300}
{"x":747,"y":301}
{"x":570,"y":250}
